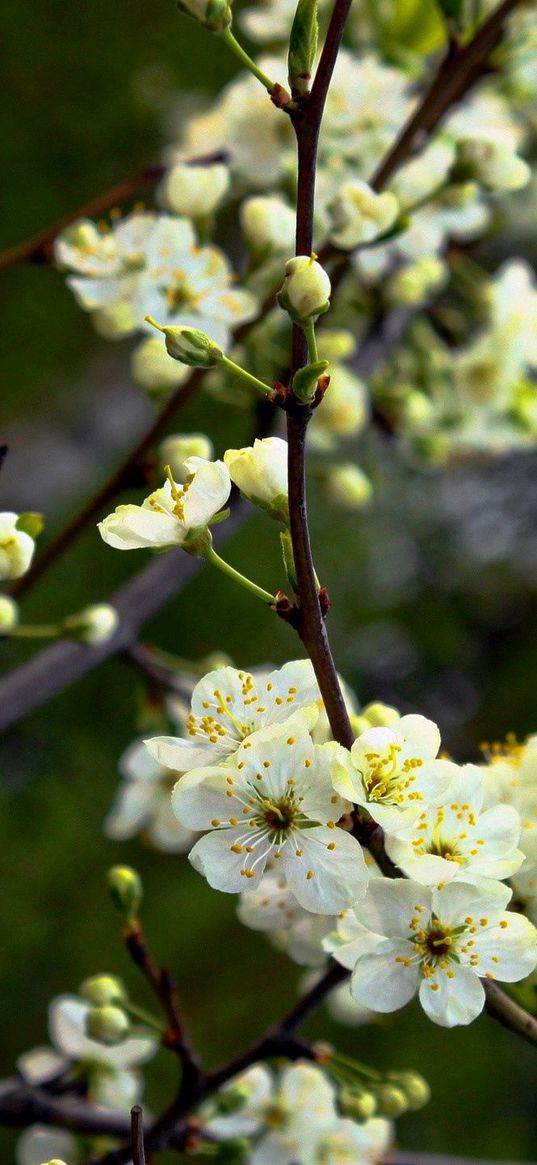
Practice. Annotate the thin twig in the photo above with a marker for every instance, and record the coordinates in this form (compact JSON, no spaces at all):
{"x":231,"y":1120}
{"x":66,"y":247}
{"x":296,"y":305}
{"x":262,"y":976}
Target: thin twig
{"x":38,"y":248}
{"x":137,"y":1135}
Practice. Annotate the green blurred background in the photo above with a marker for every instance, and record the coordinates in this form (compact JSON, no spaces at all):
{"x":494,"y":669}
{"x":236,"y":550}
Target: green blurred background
{"x":433,"y":592}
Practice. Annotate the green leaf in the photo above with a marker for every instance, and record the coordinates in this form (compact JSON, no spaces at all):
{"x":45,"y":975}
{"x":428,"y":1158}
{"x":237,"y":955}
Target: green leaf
{"x":302,"y":46}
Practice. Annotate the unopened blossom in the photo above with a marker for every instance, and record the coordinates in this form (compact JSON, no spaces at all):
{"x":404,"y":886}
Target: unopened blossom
{"x":16,"y":548}
{"x":172,"y":515}
{"x":9,"y":614}
{"x":268,"y":224}
{"x":493,"y":164}
{"x":229,"y":705}
{"x":392,"y":771}
{"x":438,"y":944}
{"x":176,"y":449}
{"x":194,"y":191}
{"x":458,"y":839}
{"x":143,"y":803}
{"x":153,"y":369}
{"x":93,"y":625}
{"x":260,"y":472}
{"x":40,"y":1143}
{"x":344,"y":411}
{"x":349,"y":487}
{"x":305,"y":292}
{"x":360,"y":215}
{"x":274,"y":802}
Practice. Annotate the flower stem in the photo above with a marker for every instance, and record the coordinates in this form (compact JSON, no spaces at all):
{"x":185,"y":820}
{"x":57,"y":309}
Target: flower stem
{"x":241,"y":54}
{"x":309,"y":329}
{"x":251,"y":381}
{"x":145,"y":1016}
{"x":225,"y":567}
{"x":37,"y":631}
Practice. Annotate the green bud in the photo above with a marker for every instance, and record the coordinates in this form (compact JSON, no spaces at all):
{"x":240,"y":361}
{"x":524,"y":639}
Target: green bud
{"x":30,"y":523}
{"x":9,"y":614}
{"x":231,"y":1100}
{"x":103,"y":989}
{"x":190,"y":346}
{"x":305,"y":380}
{"x":233,"y":1152}
{"x":391,"y":1101}
{"x":415,"y":1088}
{"x":358,"y":1104}
{"x":126,"y":890}
{"x":303,"y":46}
{"x":214,"y":14}
{"x":108,"y":1025}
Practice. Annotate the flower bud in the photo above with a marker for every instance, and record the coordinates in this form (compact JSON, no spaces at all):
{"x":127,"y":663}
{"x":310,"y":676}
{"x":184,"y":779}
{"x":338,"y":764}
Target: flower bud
{"x":414,"y":1086}
{"x":9,"y":614}
{"x":305,"y":292}
{"x":94,"y":625}
{"x":360,"y":215}
{"x":153,"y":369}
{"x":194,"y":191}
{"x":231,"y":1100}
{"x":391,"y":1101}
{"x":233,"y":1151}
{"x":260,"y":472}
{"x":493,"y":164}
{"x":414,"y":283}
{"x":380,"y":715}
{"x":114,"y":321}
{"x":16,"y":548}
{"x":358,"y":1104}
{"x":214,"y":14}
{"x":125,"y":887}
{"x":31,"y":523}
{"x":349,"y":487}
{"x":175,"y":450}
{"x":336,"y":344}
{"x":108,"y":1024}
{"x":190,"y":346}
{"x":102,"y":990}
{"x":268,"y":224}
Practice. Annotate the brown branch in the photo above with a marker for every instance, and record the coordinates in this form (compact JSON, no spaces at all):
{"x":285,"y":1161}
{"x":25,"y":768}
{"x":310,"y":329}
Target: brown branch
{"x":38,"y":248}
{"x":457,"y":73}
{"x":163,"y":985}
{"x":509,"y":1013}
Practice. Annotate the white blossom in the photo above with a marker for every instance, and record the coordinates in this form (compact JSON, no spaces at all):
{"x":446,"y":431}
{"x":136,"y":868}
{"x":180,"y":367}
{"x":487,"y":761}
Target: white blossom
{"x":40,"y":1143}
{"x":16,"y":548}
{"x":260,"y":472}
{"x":273,"y":909}
{"x":439,"y":943}
{"x":359,"y":214}
{"x":143,"y":803}
{"x":268,"y":224}
{"x":274,"y":802}
{"x":228,"y":706}
{"x":392,"y":771}
{"x":170,"y":514}
{"x":457,"y":839}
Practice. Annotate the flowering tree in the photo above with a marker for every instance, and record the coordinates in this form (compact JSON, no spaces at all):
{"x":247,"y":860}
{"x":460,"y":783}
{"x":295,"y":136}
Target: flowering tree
{"x":350,"y":838}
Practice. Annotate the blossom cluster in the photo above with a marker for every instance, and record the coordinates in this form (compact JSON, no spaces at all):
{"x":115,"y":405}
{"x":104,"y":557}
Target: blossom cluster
{"x":268,"y":805}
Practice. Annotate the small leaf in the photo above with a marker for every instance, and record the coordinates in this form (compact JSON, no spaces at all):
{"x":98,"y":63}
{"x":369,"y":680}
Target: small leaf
{"x":302,"y":46}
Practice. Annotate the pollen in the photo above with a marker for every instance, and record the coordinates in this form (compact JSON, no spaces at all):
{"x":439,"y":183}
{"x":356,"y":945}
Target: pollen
{"x":236,"y":849}
{"x":310,"y":874}
{"x":331,"y":845}
{"x":215,"y":822}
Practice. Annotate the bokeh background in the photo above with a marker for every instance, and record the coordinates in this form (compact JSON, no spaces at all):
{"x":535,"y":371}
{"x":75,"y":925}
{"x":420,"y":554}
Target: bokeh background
{"x":433,"y":589}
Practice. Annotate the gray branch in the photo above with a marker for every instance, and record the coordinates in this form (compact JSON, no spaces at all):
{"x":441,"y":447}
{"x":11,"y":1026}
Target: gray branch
{"x":141,"y":598}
